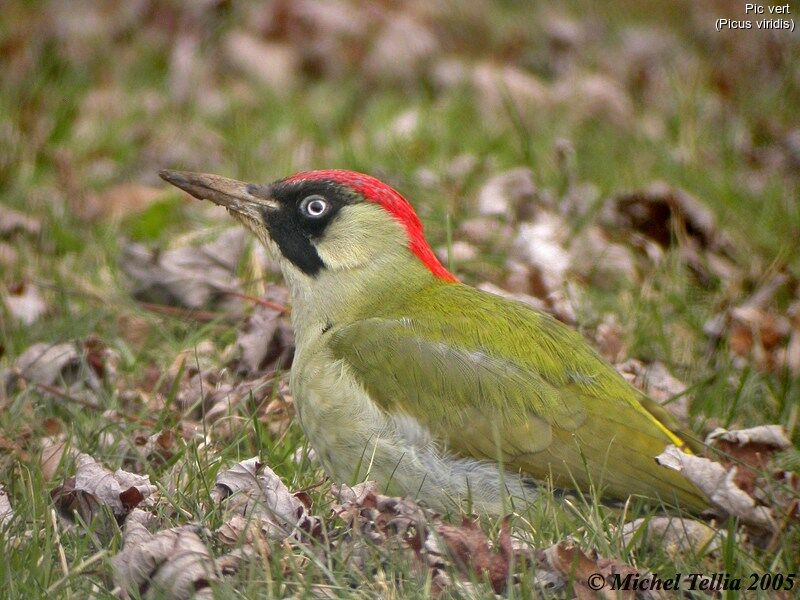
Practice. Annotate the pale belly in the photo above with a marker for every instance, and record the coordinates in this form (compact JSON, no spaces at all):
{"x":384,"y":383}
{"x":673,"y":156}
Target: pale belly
{"x":357,"y":441}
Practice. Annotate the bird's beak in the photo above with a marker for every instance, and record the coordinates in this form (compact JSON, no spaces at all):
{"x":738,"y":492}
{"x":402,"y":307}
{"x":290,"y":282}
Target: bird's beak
{"x":240,"y":198}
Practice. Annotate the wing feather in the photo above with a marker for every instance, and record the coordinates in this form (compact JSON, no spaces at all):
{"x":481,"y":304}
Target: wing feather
{"x":519,"y":387}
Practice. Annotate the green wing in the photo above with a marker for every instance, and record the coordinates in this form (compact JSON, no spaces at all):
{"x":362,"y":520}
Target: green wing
{"x":520,"y":387}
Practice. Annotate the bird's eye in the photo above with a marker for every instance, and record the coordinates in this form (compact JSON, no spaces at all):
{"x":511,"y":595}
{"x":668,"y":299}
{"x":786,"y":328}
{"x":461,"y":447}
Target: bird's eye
{"x":314,"y":206}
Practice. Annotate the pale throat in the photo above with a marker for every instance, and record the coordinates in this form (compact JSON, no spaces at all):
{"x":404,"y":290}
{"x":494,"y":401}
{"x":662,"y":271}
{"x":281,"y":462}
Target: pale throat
{"x":343,"y":295}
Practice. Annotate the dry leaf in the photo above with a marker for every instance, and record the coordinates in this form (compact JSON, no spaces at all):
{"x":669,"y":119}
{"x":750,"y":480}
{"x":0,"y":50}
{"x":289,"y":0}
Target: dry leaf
{"x":718,"y":485}
{"x":190,"y":276}
{"x":664,"y":215}
{"x":228,"y":400}
{"x":459,"y":252}
{"x":253,"y":490}
{"x":402,"y":47}
{"x":750,"y":450}
{"x":12,"y":221}
{"x":484,"y":231}
{"x":267,"y":340}
{"x":50,"y":364}
{"x":6,"y":512}
{"x":571,"y":564}
{"x":472,"y":553}
{"x":94,"y":485}
{"x":540,"y":245}
{"x":772,"y":436}
{"x":655,"y":380}
{"x":25,"y":303}
{"x":356,"y":494}
{"x":119,"y":201}
{"x":594,"y":258}
{"x":53,"y":449}
{"x":173,"y":563}
{"x":8,"y":255}
{"x":676,"y":536}
{"x":661,"y":210}
{"x":80,"y":369}
{"x":503,"y":194}
{"x":609,"y":339}
{"x":272,"y":64}
{"x":498,"y":86}
{"x":593,"y":96}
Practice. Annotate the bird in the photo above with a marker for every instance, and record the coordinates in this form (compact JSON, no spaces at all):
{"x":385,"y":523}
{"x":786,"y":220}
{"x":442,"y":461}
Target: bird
{"x":438,"y":391}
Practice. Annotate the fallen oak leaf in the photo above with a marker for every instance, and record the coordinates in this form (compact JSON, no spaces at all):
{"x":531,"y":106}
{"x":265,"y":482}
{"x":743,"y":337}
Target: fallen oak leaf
{"x":172,"y":563}
{"x":267,"y":340}
{"x":93,"y":485}
{"x":472,"y":553}
{"x":25,"y":303}
{"x":718,"y":484}
{"x":675,"y":535}
{"x":188,"y":276}
{"x":53,"y":450}
{"x":12,"y":221}
{"x":571,"y":564}
{"x":119,"y":201}
{"x":251,"y":489}
{"x":771,"y":436}
{"x":6,"y":511}
{"x":748,"y":449}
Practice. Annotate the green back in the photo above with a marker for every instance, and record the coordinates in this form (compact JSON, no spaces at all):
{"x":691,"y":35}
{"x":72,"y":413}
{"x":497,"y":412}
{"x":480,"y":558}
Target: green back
{"x":519,"y":386}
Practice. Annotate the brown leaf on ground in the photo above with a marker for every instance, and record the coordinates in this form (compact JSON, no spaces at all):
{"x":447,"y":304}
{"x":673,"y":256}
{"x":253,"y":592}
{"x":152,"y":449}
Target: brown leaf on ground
{"x":66,"y":371}
{"x":356,"y":494}
{"x":589,"y":96}
{"x":472,"y":552}
{"x":749,"y":450}
{"x":667,"y":215}
{"x":157,"y":448}
{"x":8,"y":255}
{"x":119,"y":201}
{"x":253,"y":490}
{"x":93,"y":486}
{"x":486,"y":231}
{"x":675,"y":535}
{"x":12,"y":221}
{"x":401,"y":48}
{"x":6,"y":511}
{"x":49,"y":364}
{"x":757,"y":332}
{"x":228,"y":405}
{"x":274,"y":65}
{"x":499,"y":87}
{"x":267,"y":341}
{"x":719,"y":486}
{"x":53,"y":450}
{"x":134,"y":330}
{"x":395,"y":524}
{"x":24,"y":303}
{"x":660,"y":212}
{"x":541,"y":246}
{"x":504,"y":194}
{"x":596,"y":259}
{"x":655,"y":380}
{"x":573,"y":565}
{"x":608,"y":338}
{"x":172,"y":563}
{"x":188,"y":276}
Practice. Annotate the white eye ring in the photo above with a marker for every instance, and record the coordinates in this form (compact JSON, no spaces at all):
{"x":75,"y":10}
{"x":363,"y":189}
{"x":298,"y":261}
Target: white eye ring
{"x":314,"y":206}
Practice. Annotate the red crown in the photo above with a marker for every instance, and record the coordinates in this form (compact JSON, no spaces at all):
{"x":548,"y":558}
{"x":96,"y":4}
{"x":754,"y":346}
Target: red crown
{"x":374,"y":190}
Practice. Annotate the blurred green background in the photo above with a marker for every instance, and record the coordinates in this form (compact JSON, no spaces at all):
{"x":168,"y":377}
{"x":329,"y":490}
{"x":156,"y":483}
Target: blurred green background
{"x":590,"y":102}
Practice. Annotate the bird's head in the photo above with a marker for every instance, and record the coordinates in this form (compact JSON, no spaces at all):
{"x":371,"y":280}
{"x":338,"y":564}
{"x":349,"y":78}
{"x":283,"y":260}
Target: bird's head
{"x":318,"y":222}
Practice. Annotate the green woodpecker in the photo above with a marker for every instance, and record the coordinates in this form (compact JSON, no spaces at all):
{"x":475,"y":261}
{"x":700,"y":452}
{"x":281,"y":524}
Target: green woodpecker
{"x":435,"y":389}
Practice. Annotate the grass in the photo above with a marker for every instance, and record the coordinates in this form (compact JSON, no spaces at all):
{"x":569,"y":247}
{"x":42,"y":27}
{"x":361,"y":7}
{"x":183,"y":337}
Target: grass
{"x":76,"y":123}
